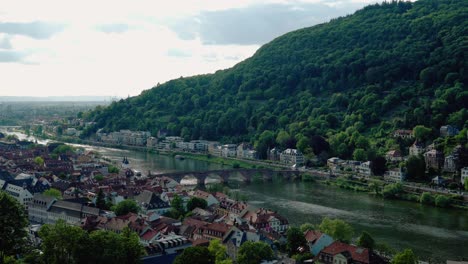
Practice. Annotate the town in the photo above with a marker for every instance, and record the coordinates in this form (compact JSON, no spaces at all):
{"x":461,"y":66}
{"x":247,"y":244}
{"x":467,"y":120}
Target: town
{"x":57,"y":182}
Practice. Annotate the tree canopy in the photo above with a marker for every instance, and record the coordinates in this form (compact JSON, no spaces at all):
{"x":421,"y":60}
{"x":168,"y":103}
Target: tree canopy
{"x":254,"y":252}
{"x":195,"y":255}
{"x":12,"y":227}
{"x":337,"y":228}
{"x":125,"y":207}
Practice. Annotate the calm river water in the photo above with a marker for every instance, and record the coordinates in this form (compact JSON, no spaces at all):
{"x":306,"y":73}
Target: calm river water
{"x":435,"y":234}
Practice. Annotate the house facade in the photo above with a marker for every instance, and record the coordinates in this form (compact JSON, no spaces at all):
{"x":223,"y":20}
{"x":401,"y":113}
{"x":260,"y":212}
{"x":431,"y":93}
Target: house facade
{"x":434,"y":159}
{"x":292,"y":157}
{"x":394,"y":175}
{"x":464,"y":175}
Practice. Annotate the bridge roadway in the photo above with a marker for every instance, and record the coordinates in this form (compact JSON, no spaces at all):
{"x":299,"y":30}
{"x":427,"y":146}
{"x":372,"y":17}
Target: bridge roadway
{"x":224,"y":175}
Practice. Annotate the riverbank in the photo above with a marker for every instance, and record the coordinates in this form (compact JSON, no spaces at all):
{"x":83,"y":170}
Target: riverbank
{"x":373,"y":186}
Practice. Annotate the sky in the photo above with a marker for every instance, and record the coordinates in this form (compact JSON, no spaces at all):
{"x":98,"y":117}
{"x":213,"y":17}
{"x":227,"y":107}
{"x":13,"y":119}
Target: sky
{"x":120,"y":48}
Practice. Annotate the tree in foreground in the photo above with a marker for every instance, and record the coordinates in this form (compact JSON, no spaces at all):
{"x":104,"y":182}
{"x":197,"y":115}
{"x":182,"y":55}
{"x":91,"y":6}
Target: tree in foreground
{"x":218,"y":250}
{"x":366,"y":240}
{"x":296,"y":240}
{"x":62,"y":243}
{"x":195,"y":255}
{"x":254,"y":253}
{"x":125,"y":207}
{"x":12,"y":226}
{"x":405,"y":257}
{"x":337,"y":228}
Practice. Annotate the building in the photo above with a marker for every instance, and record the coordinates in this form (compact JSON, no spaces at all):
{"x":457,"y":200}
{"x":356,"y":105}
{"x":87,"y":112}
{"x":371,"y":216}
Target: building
{"x":246,"y":151}
{"x":416,"y":149}
{"x":395,"y":175}
{"x":273,"y":154}
{"x":393,"y":156}
{"x":364,"y":169}
{"x":151,"y":202}
{"x":20,"y":193}
{"x":448,"y":131}
{"x":342,"y":253}
{"x":47,"y":210}
{"x":434,"y":159}
{"x":229,"y":150}
{"x":292,"y":157}
{"x":464,"y":175}
{"x":317,"y":241}
{"x":402,"y":133}
{"x":266,"y":220}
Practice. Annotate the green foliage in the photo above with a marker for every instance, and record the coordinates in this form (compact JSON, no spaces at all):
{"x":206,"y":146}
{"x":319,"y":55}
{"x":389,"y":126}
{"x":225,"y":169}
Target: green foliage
{"x":366,"y":240}
{"x":465,"y":183}
{"x":306,"y":227}
{"x":296,"y":240}
{"x":63,"y":148}
{"x":12,"y":227}
{"x":353,"y":81}
{"x":195,"y":255}
{"x":62,"y":243}
{"x":392,"y":190}
{"x":125,"y":207}
{"x":416,"y":167}
{"x":113,"y":169}
{"x":39,"y":161}
{"x":427,"y":198}
{"x":218,"y":250}
{"x":360,"y":154}
{"x":421,"y":133}
{"x":300,"y":258}
{"x":101,"y":201}
{"x":57,"y":194}
{"x":336,"y":228}
{"x":254,"y":252}
{"x":99,"y":177}
{"x":442,"y":201}
{"x":405,"y":257}
{"x":195,"y":202}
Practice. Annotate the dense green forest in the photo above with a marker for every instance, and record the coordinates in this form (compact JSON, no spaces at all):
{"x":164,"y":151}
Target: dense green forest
{"x":331,"y":88}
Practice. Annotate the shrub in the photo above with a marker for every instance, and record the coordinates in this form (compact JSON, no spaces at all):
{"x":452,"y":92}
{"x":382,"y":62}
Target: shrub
{"x":426,"y":198}
{"x":442,"y":201}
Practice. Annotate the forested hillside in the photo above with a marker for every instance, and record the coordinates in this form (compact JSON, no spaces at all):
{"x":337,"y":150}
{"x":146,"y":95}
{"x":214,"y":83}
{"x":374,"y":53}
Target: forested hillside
{"x":351,"y":81}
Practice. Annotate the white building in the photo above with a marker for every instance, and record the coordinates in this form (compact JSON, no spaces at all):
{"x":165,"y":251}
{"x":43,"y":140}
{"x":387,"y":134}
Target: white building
{"x":394,"y":175}
{"x":229,"y":150}
{"x":21,"y":194}
{"x":292,"y":157}
{"x":464,"y":175}
{"x":364,"y":169}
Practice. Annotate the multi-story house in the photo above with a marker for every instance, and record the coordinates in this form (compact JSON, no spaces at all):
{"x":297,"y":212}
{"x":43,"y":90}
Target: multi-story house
{"x":434,"y":159}
{"x":464,"y":175}
{"x":416,"y":149}
{"x":292,"y":157}
{"x":394,"y":175}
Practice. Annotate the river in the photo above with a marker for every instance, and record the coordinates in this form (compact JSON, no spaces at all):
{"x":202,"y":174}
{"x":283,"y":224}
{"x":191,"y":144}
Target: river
{"x":435,"y":234}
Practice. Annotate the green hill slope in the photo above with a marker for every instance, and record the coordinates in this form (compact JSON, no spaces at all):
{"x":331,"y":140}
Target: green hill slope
{"x":352,"y":81}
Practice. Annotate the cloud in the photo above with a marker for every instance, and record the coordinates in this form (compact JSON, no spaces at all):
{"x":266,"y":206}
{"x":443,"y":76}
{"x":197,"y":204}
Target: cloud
{"x":11,"y":56}
{"x":113,"y":28}
{"x":258,"y":24}
{"x":5,"y":43}
{"x":36,"y":29}
{"x":178,"y":53}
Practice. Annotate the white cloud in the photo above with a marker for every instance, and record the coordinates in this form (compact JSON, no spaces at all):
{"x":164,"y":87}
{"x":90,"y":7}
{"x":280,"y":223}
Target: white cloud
{"x":111,"y":47}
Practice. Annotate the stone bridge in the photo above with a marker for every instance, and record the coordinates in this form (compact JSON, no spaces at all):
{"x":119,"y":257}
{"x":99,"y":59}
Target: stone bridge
{"x":224,"y":175}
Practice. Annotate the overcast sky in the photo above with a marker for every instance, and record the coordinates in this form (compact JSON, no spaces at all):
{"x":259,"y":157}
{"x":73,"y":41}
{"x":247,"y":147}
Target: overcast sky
{"x":120,"y":48}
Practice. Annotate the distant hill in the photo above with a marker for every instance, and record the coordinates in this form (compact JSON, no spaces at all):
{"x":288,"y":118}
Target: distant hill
{"x":351,"y":81}
{"x":57,"y":98}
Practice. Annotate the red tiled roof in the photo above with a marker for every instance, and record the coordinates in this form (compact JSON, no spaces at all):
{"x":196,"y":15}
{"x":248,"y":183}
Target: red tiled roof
{"x":149,"y":235}
{"x":312,"y":235}
{"x":357,"y":253}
